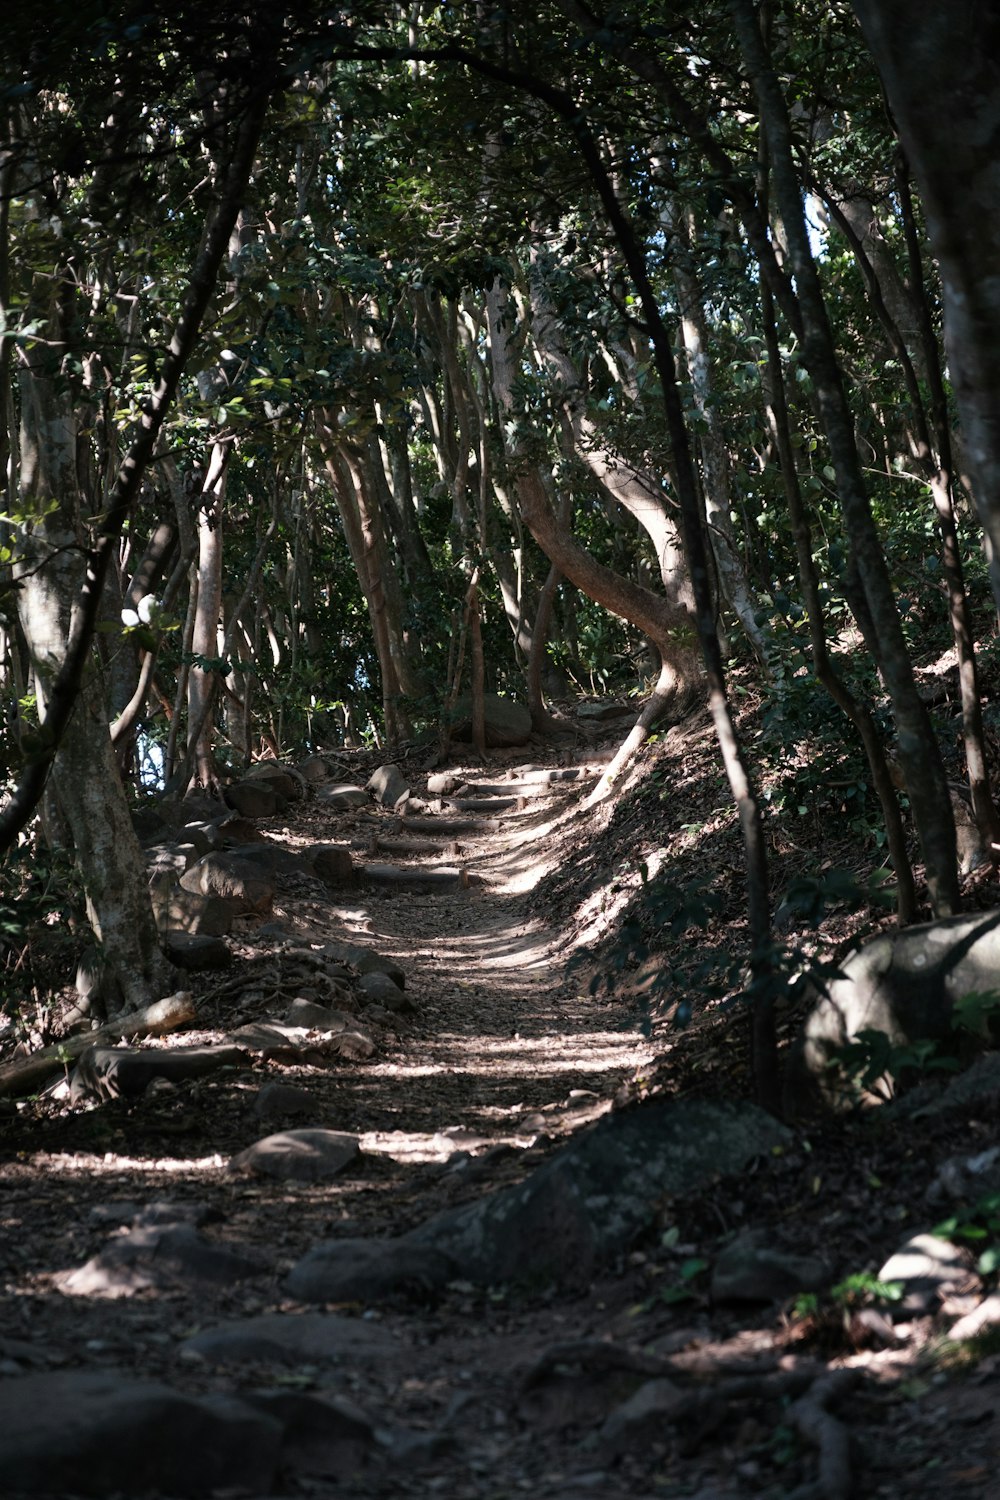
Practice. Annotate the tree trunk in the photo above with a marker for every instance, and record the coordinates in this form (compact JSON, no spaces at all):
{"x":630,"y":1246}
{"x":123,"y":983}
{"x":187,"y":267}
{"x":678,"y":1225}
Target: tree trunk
{"x":203,"y":681}
{"x":938,"y":65}
{"x":85,"y":777}
{"x":919,"y":753}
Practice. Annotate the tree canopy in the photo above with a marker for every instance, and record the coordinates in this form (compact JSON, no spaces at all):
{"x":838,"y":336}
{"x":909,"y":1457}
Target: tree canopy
{"x":346,"y":352}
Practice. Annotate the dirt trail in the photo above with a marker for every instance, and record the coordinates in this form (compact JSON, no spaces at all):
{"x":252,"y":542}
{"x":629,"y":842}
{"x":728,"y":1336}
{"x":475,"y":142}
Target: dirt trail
{"x":503,"y":1056}
{"x":634,"y":1384}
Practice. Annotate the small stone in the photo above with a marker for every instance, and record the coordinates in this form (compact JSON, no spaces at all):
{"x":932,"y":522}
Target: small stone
{"x":342,"y":798}
{"x":157,"y":1257}
{"x":299,"y":1155}
{"x":750,"y":1270}
{"x":927,"y":1267}
{"x":384,"y":991}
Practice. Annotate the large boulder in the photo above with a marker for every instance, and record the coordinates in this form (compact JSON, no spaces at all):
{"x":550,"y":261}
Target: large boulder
{"x":254,"y":799}
{"x":287,"y":784}
{"x":177,"y":910}
{"x":583,"y":1206}
{"x":103,"y":1432}
{"x":388,"y":786}
{"x":227,"y":875}
{"x":507,"y":722}
{"x":903,"y":986}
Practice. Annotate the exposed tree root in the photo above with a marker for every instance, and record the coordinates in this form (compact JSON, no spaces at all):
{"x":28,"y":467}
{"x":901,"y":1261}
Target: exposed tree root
{"x":814,"y":1389}
{"x":811,"y":1417}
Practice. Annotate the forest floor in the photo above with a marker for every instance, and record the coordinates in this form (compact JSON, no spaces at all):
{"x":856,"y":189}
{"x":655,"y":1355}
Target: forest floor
{"x":530,"y":1017}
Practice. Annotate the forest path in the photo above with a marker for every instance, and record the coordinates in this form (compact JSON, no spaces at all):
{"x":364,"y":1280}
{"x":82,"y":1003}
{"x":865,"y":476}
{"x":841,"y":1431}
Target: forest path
{"x":503,"y":1031}
{"x":154,"y":1340}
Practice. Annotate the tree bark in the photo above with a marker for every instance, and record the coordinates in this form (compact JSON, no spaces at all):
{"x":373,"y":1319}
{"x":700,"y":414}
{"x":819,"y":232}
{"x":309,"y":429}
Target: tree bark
{"x":938,"y":66}
{"x":919,"y":753}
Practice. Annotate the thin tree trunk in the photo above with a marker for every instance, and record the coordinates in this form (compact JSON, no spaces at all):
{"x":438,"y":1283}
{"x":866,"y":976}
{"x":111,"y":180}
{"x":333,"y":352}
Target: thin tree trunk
{"x":826,"y":674}
{"x":919,"y":753}
{"x":203,"y":681}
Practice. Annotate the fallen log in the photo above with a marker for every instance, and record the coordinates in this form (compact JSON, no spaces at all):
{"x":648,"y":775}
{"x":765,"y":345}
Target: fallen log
{"x":153,"y":1020}
{"x":450,"y":825}
{"x":413,"y":877}
{"x":376,"y":845}
{"x":480,"y":804}
{"x":546,"y":775}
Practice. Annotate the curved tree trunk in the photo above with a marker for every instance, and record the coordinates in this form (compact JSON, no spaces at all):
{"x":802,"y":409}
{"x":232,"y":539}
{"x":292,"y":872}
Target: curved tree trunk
{"x":668,"y":625}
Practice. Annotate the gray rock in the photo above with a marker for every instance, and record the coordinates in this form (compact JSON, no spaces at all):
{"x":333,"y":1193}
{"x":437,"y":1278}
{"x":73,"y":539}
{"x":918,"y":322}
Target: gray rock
{"x":342,"y":798}
{"x":357,"y":1270}
{"x":160,"y":1211}
{"x":283,"y":780}
{"x":444,"y":784}
{"x":963,"y":1179}
{"x":225,"y":874}
{"x":642,"y":1418}
{"x":313,"y":769}
{"x":927,"y":1267}
{"x":600,"y":712}
{"x":585,"y":1204}
{"x":299,"y":1155}
{"x":381,"y":989}
{"x":332,"y":863}
{"x":148,"y":823}
{"x":904,"y":985}
{"x":292,"y":1044}
{"x":590,"y":1200}
{"x":158,"y":1257}
{"x":293,"y":1338}
{"x":253,"y":799}
{"x":227,"y":831}
{"x":979,"y":1320}
{"x":307,"y":1013}
{"x":283,"y":1101}
{"x":750,"y":1270}
{"x":353,"y":1046}
{"x":507,"y":722}
{"x":197,"y":951}
{"x":127,"y":1072}
{"x":196,"y":808}
{"x":979,"y":1084}
{"x":388,"y":786}
{"x":84,"y":1432}
{"x":269,"y":858}
{"x":170,"y":859}
{"x":177,"y":910}
{"x":365,"y":960}
{"x":326,"y":1437}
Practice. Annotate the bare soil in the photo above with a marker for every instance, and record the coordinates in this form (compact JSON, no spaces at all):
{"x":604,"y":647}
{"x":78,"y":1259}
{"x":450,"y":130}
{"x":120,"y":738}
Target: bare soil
{"x":545,"y":995}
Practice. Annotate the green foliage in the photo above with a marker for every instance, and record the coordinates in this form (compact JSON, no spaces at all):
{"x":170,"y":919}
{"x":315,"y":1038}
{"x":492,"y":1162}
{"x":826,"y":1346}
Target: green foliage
{"x":979,"y":1227}
{"x":976,"y":1013}
{"x":40,"y":899}
{"x":683,"y":1289}
{"x":860,"y":1289}
{"x":872,"y":1062}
